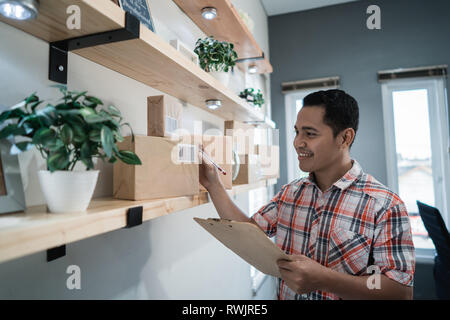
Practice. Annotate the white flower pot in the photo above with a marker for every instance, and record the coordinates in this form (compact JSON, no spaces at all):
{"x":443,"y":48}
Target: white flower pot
{"x":222,"y":77}
{"x":68,"y":191}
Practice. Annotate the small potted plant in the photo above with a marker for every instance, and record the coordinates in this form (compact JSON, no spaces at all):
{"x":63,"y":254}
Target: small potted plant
{"x":216,"y":57}
{"x":250,"y":95}
{"x":73,"y":130}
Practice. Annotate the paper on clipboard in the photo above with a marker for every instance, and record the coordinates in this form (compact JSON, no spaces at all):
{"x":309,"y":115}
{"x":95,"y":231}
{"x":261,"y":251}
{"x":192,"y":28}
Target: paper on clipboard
{"x":248,"y":241}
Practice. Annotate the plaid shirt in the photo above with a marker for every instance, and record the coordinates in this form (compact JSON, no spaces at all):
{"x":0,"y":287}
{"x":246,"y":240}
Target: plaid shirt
{"x":354,"y":224}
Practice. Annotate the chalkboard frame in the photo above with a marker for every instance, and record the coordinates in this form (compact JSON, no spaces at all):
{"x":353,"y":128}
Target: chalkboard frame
{"x":147,"y":21}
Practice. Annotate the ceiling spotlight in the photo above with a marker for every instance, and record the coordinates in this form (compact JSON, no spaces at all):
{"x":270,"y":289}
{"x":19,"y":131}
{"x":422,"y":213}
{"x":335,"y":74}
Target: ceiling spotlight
{"x":253,"y":69}
{"x":213,"y":104}
{"x":209,"y":13}
{"x":19,"y":9}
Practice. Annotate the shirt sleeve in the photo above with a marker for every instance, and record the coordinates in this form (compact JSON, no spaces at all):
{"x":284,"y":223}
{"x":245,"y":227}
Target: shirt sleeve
{"x":393,"y":248}
{"x":267,"y":216}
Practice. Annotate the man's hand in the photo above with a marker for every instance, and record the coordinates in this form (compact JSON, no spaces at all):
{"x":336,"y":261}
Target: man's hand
{"x":302,"y":274}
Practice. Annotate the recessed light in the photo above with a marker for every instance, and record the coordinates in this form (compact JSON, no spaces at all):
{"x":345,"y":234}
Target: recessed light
{"x":209,"y":13}
{"x":19,"y":9}
{"x":253,"y":69}
{"x":213,"y":104}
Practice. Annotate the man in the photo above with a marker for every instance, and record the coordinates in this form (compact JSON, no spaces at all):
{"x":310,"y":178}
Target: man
{"x":339,"y":222}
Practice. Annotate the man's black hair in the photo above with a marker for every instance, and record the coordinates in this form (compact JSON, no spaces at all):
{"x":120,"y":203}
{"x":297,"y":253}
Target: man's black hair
{"x":341,"y":109}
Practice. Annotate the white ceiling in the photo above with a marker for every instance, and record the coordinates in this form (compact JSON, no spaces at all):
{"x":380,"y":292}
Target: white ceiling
{"x":274,"y":7}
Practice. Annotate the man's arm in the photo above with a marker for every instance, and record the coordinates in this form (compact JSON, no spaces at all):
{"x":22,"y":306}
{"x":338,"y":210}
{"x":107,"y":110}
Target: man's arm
{"x":209,"y":178}
{"x":355,"y":287}
{"x":225,"y":206}
{"x":304,"y":275}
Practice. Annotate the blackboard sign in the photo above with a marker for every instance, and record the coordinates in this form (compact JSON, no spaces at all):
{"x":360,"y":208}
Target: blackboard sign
{"x":140,"y":9}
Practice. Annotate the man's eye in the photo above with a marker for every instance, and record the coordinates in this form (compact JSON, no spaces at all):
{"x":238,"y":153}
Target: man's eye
{"x":310,"y":134}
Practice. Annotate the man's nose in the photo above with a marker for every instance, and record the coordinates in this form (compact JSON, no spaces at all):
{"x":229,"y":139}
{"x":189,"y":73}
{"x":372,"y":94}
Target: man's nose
{"x":299,"y":143}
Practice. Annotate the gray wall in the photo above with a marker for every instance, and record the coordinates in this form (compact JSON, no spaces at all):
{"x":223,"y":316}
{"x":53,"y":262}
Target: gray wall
{"x":334,"y":41}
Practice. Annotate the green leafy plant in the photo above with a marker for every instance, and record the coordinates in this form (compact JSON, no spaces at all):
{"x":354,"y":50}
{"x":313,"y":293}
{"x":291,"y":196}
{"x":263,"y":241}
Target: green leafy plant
{"x":255,"y":97}
{"x":215,"y":55}
{"x":74,"y":129}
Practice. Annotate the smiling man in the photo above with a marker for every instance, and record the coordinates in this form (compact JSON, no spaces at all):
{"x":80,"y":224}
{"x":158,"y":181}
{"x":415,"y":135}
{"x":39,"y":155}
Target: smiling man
{"x":338,"y":223}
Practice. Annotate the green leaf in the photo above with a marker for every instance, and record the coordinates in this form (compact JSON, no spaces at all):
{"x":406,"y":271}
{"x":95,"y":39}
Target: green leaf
{"x":107,"y":140}
{"x":118,"y":136}
{"x":79,"y":94}
{"x":95,"y":135}
{"x":85,"y":151}
{"x":66,"y":134}
{"x":61,"y":87}
{"x":112,"y":159}
{"x":114,"y":111}
{"x":21,"y":147}
{"x":43,"y":135}
{"x":58,"y":160}
{"x":90,"y":116}
{"x":79,"y":135}
{"x":94,"y":100}
{"x":11,"y":130}
{"x":54,"y":144}
{"x":128,"y":157}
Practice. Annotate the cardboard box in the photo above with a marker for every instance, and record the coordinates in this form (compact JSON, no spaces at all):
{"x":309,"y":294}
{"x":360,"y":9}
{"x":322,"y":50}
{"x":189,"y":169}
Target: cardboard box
{"x":243,"y":136}
{"x":269,"y":159}
{"x":165,"y":172}
{"x":219,"y":148}
{"x":249,"y":170}
{"x":163,"y":115}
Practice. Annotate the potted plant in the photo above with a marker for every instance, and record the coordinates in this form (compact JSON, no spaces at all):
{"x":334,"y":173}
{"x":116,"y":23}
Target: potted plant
{"x":255,"y":97}
{"x":216,"y":57}
{"x":73,"y":130}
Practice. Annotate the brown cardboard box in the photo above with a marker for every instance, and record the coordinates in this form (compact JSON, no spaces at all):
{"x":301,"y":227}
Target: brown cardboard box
{"x":249,"y":170}
{"x":219,"y":148}
{"x":163,"y":115}
{"x":243,"y":136}
{"x":161,"y":174}
{"x":269,"y":159}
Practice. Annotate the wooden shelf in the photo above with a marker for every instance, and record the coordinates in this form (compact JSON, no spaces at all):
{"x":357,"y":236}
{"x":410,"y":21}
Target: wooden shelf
{"x":36,"y":230}
{"x":227,"y":26}
{"x":148,"y":59}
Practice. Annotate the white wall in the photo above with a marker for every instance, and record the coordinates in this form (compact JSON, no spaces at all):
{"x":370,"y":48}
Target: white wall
{"x":166,"y":258}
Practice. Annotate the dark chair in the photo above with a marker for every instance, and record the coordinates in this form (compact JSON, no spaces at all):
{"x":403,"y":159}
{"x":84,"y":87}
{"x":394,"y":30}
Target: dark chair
{"x":438,"y":233}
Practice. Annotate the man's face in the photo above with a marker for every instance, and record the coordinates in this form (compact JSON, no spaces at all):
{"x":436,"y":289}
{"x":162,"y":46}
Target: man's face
{"x":316,"y":147}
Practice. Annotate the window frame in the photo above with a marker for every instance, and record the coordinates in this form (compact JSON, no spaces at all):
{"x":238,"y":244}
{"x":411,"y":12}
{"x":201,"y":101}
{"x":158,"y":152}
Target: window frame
{"x":439,"y":135}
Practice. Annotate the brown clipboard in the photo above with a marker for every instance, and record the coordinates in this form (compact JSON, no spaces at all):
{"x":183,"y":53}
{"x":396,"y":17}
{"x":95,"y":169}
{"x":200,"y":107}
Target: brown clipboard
{"x":248,"y":241}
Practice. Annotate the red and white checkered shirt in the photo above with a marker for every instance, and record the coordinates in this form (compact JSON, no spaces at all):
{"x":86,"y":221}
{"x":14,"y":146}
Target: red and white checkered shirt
{"x":356,"y":223}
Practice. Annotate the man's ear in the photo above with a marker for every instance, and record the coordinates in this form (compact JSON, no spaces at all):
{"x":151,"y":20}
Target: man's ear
{"x":347,"y":136}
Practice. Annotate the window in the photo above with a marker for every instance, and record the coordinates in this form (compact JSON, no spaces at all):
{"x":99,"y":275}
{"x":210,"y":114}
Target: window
{"x":416,"y":136}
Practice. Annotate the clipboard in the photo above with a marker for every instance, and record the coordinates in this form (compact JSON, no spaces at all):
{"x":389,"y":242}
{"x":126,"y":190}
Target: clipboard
{"x":248,"y":241}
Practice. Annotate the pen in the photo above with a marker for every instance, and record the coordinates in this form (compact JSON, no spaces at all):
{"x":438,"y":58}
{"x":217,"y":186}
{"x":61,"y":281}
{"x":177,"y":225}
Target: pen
{"x":215,"y":164}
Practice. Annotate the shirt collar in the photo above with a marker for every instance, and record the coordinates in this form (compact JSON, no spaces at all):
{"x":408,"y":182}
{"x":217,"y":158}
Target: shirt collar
{"x":347,"y":179}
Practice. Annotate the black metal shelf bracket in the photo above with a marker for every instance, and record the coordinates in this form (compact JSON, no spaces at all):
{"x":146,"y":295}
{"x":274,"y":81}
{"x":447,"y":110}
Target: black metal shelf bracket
{"x":55,"y":253}
{"x":251,"y":59}
{"x":59,"y":49}
{"x":134,"y":217}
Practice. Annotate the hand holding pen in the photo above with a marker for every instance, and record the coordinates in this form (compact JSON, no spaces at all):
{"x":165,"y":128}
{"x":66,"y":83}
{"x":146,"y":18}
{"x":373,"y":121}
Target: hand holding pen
{"x":204,"y":154}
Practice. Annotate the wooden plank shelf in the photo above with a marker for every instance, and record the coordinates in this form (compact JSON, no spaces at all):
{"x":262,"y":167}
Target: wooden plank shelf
{"x":148,"y":59}
{"x":36,"y":230}
{"x":227,"y":26}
